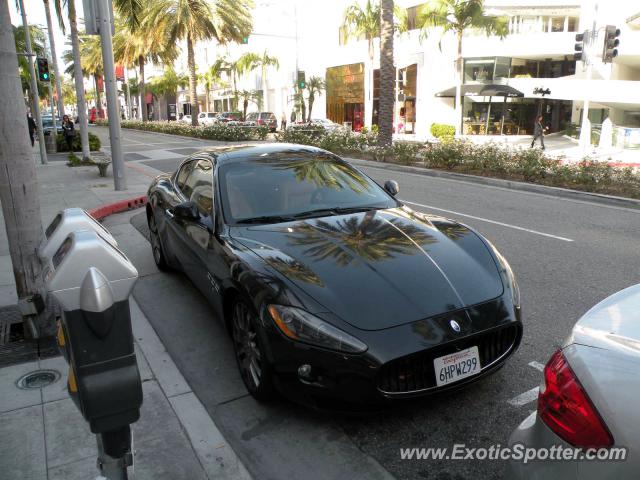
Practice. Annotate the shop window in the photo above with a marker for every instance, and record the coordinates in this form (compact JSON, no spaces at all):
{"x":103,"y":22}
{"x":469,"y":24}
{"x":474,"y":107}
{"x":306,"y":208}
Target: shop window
{"x":557,"y":24}
{"x":478,"y":70}
{"x":412,"y":17}
{"x":572,"y":25}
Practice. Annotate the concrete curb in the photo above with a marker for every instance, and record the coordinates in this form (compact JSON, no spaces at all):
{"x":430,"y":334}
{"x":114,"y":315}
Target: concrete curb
{"x":103,"y":211}
{"x":508,"y":184}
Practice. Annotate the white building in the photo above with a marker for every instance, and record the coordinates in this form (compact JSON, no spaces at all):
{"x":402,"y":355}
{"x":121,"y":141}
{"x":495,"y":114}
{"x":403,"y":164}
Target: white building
{"x":533,"y":66}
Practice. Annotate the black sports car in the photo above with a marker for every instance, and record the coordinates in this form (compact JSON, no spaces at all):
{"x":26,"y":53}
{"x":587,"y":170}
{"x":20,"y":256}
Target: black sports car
{"x":332,"y":289}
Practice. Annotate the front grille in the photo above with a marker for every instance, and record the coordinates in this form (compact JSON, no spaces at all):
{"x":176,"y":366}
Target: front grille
{"x":415,"y":372}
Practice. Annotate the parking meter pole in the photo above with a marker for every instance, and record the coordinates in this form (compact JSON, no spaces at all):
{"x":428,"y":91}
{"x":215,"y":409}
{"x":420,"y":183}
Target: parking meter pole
{"x":117,"y":159}
{"x":34,"y":86}
{"x":114,"y":453}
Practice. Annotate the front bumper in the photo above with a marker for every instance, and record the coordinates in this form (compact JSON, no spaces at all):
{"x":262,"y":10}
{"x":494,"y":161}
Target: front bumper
{"x":399,"y":361}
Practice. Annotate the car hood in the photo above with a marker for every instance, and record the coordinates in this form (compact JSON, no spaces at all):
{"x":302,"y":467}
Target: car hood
{"x":381,"y":268}
{"x":612,"y":324}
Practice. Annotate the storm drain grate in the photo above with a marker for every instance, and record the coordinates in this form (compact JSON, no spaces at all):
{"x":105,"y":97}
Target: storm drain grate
{"x":37,"y":379}
{"x":14,"y":347}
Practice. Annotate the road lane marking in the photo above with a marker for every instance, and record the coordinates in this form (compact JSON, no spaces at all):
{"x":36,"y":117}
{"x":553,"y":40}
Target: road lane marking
{"x":508,"y":225}
{"x":524,"y":398}
{"x":537,"y":365}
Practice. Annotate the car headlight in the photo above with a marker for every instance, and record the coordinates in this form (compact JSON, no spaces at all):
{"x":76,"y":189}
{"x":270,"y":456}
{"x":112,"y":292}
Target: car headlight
{"x":301,"y":326}
{"x":509,"y":279}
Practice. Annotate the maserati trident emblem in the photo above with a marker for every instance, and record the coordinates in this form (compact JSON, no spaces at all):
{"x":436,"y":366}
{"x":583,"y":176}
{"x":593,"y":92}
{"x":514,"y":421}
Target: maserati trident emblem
{"x":454,"y":325}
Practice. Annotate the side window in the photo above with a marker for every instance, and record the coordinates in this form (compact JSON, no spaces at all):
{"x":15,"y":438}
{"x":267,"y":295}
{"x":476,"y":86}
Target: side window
{"x":182,"y":176}
{"x":199,"y":186}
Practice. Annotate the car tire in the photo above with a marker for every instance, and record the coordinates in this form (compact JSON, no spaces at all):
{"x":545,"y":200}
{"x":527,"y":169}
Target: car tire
{"x":250,"y":353}
{"x":156,"y":244}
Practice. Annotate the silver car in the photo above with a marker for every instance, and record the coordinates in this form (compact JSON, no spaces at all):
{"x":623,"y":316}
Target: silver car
{"x":588,"y":397}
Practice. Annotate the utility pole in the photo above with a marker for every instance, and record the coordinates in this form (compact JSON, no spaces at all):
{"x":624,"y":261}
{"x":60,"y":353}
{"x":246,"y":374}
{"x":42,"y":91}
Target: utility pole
{"x":35,"y":100}
{"x":111,"y":90}
{"x":54,"y":59}
{"x":18,"y":179}
{"x":585,"y":128}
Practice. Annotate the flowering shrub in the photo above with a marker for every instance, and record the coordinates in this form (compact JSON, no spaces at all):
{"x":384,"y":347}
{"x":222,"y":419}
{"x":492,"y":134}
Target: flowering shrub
{"x":219,"y":131}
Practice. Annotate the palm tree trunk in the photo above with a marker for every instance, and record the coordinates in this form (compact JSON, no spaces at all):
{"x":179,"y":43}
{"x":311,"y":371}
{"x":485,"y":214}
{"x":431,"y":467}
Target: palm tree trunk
{"x":143,"y":93}
{"x":458,"y":106}
{"x":368,"y":105}
{"x":265,"y":91}
{"x":387,"y":75}
{"x":193,"y":82}
{"x":79,"y":81}
{"x":98,"y":96}
{"x":54,"y":59}
{"x":206,"y":96}
{"x":311,"y":100}
{"x":235,"y":91}
{"x":18,"y":178}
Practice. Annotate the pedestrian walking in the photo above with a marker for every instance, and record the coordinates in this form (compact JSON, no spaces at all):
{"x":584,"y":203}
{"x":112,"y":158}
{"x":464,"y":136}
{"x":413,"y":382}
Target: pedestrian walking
{"x":32,"y":128}
{"x":283,"y":122}
{"x":538,"y":132}
{"x":69,"y":131}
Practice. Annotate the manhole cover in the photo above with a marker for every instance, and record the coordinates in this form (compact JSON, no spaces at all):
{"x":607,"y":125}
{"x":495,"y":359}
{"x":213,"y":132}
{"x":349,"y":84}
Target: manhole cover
{"x":38,"y":379}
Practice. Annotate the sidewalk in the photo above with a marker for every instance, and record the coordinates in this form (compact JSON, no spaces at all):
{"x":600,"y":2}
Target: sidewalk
{"x":43,"y":434}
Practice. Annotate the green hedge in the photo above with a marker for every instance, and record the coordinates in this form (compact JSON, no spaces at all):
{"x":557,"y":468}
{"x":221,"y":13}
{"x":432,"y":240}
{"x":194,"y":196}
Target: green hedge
{"x":220,"y":132}
{"x":441,"y":130}
{"x":94,"y":143}
{"x":490,"y":159}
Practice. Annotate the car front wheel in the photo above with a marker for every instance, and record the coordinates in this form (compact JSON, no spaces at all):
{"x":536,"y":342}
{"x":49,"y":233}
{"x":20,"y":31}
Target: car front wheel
{"x":250,"y":354}
{"x":156,"y":245}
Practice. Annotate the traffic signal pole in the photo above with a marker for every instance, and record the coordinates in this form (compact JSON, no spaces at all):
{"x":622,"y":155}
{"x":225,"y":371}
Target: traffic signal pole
{"x":585,"y":128}
{"x":35,"y":105}
{"x":117,"y":159}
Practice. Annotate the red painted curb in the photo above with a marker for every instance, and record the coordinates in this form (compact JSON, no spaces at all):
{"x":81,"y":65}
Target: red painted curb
{"x":100,"y":213}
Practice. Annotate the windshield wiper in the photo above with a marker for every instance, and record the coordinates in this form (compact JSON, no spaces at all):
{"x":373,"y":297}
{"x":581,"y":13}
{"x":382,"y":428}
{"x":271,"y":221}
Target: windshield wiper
{"x":322,"y":212}
{"x":267,"y":219}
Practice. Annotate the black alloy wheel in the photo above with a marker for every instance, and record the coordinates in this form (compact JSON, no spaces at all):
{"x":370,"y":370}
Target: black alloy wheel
{"x":156,"y":245}
{"x":252,"y":362}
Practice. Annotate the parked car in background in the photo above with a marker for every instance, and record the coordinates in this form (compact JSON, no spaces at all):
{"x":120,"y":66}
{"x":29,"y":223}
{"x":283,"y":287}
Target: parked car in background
{"x":588,"y":396}
{"x":328,"y":125}
{"x":267,"y":119}
{"x":229,"y":116}
{"x":207,"y":118}
{"x":47,"y":124}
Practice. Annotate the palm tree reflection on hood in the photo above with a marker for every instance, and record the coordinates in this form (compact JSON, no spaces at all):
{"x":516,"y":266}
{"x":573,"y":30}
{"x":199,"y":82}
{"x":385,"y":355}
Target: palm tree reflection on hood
{"x":326,"y":172}
{"x":294,"y":270}
{"x":453,"y":231}
{"x":370,"y":238}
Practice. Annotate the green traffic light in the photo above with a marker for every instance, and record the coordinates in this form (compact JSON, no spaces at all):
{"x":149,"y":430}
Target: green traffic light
{"x":46,"y":76}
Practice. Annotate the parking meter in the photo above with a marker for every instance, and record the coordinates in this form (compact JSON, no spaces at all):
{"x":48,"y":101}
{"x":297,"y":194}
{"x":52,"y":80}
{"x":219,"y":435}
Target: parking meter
{"x":91,"y":280}
{"x":67,"y":221}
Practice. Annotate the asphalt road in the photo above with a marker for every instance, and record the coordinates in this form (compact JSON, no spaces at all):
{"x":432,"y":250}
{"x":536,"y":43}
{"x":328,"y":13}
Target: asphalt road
{"x":567,"y":255}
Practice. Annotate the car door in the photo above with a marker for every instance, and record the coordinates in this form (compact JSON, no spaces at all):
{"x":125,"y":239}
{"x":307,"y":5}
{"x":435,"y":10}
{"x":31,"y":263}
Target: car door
{"x":198,"y":234}
{"x":174,"y":230}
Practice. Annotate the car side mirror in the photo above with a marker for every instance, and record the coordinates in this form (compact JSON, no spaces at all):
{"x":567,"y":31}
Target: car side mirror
{"x":392,"y":187}
{"x":187,"y":210}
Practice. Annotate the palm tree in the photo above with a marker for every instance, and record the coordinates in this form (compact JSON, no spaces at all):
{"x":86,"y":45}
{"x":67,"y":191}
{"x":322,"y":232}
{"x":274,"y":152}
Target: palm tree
{"x":79,"y":82}
{"x":169,"y":82}
{"x":196,"y":20}
{"x":457,"y":16}
{"x":364,"y":22}
{"x":263,"y":61}
{"x":315,"y":86}
{"x":254,"y":96}
{"x":54,"y":56}
{"x":387,"y":75}
{"x":136,"y":46}
{"x":37,"y":45}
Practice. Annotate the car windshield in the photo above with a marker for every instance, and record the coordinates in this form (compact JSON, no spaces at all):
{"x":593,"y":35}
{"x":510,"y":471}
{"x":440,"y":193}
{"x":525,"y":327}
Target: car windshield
{"x":284,"y":186}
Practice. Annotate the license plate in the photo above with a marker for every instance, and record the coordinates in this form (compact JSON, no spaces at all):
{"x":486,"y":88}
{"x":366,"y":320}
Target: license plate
{"x":456,"y":366}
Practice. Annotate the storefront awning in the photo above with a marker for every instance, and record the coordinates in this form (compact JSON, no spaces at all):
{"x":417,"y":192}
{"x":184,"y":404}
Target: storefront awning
{"x":483,"y":90}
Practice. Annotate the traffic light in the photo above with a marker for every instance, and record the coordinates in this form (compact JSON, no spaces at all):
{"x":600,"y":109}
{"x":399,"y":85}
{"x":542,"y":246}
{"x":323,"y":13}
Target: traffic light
{"x":43,"y":69}
{"x":579,"y":46}
{"x":301,"y":80}
{"x":245,"y":39}
{"x":611,"y":42}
